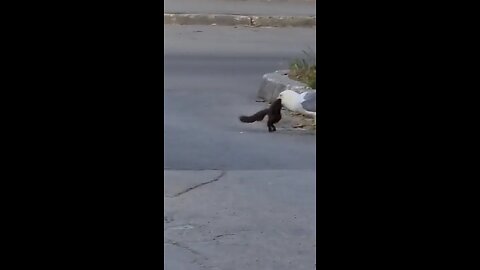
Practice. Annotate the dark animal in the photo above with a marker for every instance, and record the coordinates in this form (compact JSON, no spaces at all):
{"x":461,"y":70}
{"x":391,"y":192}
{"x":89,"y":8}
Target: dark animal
{"x":273,"y":112}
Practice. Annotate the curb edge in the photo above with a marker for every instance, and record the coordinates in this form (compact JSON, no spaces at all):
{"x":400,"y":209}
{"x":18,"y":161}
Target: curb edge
{"x":239,"y":20}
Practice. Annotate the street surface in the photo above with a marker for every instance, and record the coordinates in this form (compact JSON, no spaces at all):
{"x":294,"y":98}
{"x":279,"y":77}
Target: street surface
{"x":211,"y":78}
{"x":242,"y":7}
{"x":236,"y":196}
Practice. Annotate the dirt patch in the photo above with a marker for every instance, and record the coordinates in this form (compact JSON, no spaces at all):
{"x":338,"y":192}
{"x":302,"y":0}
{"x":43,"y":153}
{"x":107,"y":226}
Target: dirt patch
{"x":296,"y":122}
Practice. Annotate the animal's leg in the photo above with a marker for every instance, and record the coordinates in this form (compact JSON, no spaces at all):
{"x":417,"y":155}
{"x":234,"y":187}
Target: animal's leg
{"x":271,"y":127}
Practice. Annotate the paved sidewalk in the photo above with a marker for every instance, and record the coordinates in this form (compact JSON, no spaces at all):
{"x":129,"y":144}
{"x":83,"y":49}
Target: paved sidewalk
{"x":263,"y":219}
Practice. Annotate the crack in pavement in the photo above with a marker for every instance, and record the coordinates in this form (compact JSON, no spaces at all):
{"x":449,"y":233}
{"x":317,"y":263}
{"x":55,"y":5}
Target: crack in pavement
{"x":222,"y":235}
{"x":200,"y":260}
{"x":180,"y":245}
{"x":180,"y":227}
{"x":199,"y":185}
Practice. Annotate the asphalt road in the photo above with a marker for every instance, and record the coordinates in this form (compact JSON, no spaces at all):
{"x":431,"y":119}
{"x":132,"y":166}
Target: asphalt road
{"x":236,"y":196}
{"x":212,"y":74}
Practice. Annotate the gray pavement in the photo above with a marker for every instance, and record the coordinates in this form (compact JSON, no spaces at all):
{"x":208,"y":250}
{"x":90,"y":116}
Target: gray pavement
{"x":275,"y":7}
{"x":243,"y":220}
{"x":236,"y":196}
{"x":211,"y":78}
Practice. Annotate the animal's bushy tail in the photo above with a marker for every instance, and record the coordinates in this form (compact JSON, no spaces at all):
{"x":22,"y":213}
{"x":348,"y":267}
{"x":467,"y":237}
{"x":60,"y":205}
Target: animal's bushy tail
{"x":256,"y":117}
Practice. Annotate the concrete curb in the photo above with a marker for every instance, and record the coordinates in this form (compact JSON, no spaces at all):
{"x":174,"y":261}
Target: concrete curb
{"x":239,"y":20}
{"x":276,"y":82}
